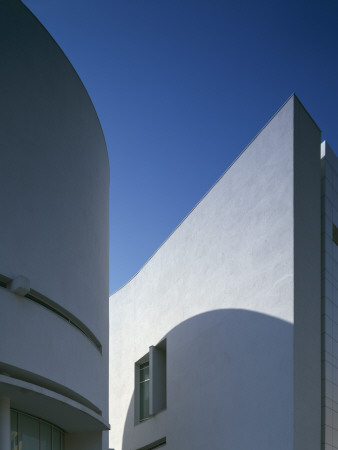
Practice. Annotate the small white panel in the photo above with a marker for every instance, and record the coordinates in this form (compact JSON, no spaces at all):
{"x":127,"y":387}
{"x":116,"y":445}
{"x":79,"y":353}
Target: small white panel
{"x":20,"y":285}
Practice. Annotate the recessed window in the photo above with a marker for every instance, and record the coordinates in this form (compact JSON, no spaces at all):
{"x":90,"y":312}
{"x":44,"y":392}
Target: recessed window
{"x":144,"y":390}
{"x":157,"y":444}
{"x":335,"y":234}
{"x":151,"y":383}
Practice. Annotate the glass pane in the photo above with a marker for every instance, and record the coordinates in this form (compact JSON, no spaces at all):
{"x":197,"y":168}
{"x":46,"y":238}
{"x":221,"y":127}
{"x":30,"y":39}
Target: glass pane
{"x":335,"y":234}
{"x":144,"y":371}
{"x":56,"y":439}
{"x":144,"y":400}
{"x":46,"y":436}
{"x":29,"y":433}
{"x":14,"y":430}
{"x":62,"y":441}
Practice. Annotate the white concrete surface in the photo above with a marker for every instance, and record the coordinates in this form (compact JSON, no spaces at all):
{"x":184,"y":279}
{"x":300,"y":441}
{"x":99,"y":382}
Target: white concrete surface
{"x":54,"y":222}
{"x":329,"y":299}
{"x":307,"y":285}
{"x":222,"y":290}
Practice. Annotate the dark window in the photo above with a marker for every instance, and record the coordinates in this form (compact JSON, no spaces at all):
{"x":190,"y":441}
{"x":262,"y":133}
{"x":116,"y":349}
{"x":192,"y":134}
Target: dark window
{"x":144,"y":390}
{"x":335,"y":234}
{"x":157,"y":444}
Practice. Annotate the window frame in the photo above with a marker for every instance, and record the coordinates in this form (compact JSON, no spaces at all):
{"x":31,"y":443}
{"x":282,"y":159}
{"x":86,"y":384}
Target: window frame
{"x":156,"y":444}
{"x":137,"y":405}
{"x":157,"y":361}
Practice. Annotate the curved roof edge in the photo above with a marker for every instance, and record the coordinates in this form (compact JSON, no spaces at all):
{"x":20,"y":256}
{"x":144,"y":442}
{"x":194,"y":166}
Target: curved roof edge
{"x":72,"y":67}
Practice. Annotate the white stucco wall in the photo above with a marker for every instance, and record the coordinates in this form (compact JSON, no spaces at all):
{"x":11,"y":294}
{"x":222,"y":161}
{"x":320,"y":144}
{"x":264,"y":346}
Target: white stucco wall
{"x":307,"y":287}
{"x":221,"y":289}
{"x":329,"y":299}
{"x":54,"y":222}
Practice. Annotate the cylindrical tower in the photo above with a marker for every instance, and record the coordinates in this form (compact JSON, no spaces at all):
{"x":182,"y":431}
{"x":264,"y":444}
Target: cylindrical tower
{"x":54,"y":185}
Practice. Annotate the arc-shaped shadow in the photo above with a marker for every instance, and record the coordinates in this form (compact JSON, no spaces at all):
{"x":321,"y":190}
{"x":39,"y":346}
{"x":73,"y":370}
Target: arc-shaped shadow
{"x":229,"y":385}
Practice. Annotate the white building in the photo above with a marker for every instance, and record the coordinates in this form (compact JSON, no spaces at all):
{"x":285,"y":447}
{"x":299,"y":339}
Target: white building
{"x":53,"y":247}
{"x":216,"y":342}
{"x":226,"y":339}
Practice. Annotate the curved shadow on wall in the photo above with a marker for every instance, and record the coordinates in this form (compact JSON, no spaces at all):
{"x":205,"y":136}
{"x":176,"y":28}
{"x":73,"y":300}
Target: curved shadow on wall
{"x":229,"y":385}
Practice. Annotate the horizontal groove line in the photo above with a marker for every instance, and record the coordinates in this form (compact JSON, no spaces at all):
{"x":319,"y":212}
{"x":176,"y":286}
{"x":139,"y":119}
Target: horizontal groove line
{"x":36,"y":300}
{"x":61,"y":312}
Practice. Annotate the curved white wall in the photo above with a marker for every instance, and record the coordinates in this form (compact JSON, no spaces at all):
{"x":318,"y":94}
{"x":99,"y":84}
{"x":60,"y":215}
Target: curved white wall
{"x":54,"y":222}
{"x":222,"y":291}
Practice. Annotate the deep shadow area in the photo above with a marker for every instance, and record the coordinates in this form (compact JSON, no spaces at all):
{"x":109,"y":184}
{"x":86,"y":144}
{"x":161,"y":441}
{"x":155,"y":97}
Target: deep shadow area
{"x":229,"y":385}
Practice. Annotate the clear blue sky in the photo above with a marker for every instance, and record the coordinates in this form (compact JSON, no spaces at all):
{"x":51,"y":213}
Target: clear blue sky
{"x":181,"y":87}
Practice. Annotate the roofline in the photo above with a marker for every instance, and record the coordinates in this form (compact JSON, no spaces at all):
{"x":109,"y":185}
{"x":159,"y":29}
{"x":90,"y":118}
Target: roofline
{"x":292,"y":96}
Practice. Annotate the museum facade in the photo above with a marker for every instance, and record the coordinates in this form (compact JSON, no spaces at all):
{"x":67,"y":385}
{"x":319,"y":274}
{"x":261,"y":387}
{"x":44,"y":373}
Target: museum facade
{"x":228,"y":336}
{"x":53,"y":247}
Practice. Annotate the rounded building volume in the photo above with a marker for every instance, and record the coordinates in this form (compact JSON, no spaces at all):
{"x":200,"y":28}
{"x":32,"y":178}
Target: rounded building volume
{"x":53,"y":247}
